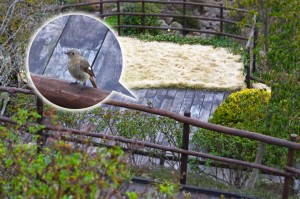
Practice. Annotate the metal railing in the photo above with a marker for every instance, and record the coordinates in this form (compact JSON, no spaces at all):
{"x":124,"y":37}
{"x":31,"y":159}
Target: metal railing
{"x":184,"y":151}
{"x":143,"y":14}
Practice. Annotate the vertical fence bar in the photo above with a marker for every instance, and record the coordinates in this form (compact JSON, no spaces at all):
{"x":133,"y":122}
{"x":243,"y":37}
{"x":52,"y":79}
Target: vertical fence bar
{"x":255,"y":39}
{"x":119,"y":18}
{"x":184,"y":18}
{"x":101,"y":9}
{"x":221,"y":17}
{"x":248,"y":71}
{"x":143,"y":17}
{"x":288,"y":181}
{"x":41,"y":139}
{"x":162,"y":160}
{"x":185,"y":146}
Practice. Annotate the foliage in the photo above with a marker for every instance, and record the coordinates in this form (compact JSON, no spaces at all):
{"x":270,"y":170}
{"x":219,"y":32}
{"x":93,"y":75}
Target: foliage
{"x":232,"y":29}
{"x":17,"y":20}
{"x":128,"y":124}
{"x":242,"y":106}
{"x":20,"y":101}
{"x":242,"y":110}
{"x":60,"y":170}
{"x":190,"y":22}
{"x":137,"y":20}
{"x":279,"y":61}
{"x":111,"y":21}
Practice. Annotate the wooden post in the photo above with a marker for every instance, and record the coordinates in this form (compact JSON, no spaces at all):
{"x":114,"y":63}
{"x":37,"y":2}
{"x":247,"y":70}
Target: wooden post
{"x":184,"y":18}
{"x":185,"y":146}
{"x":221,"y":18}
{"x":101,"y":9}
{"x":143,"y":17}
{"x":41,"y":139}
{"x":288,"y":181}
{"x":119,"y":18}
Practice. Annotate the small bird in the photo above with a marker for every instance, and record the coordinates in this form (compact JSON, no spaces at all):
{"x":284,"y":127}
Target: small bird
{"x":80,"y":68}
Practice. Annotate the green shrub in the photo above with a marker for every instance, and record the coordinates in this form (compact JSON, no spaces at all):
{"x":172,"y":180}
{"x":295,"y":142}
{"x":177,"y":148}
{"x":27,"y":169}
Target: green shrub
{"x":137,"y":20}
{"x":242,"y":110}
{"x":190,"y":22}
{"x":128,"y":123}
{"x":60,"y":170}
{"x":232,"y":29}
{"x":241,"y":107}
{"x":111,"y":21}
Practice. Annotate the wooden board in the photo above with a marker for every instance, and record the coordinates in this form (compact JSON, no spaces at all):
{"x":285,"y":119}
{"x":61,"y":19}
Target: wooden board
{"x":206,"y":106}
{"x":200,"y":103}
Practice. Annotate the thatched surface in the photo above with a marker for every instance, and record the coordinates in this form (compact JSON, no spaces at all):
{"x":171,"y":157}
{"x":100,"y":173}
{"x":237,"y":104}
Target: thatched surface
{"x":166,"y":65}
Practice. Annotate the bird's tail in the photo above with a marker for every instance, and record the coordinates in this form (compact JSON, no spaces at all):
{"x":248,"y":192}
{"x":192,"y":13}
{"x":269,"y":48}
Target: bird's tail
{"x":93,"y":82}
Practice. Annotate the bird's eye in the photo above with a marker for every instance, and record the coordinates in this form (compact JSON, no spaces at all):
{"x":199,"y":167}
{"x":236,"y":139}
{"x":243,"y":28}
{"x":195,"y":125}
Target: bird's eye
{"x":73,"y":53}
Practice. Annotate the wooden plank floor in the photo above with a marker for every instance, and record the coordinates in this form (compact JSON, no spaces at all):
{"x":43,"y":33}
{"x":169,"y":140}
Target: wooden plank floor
{"x":200,"y":103}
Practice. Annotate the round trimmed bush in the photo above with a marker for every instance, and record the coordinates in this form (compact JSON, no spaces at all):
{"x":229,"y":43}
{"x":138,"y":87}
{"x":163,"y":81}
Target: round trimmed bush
{"x":241,"y":107}
{"x":242,"y":110}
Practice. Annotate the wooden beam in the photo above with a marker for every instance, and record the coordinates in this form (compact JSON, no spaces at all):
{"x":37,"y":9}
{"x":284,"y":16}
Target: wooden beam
{"x":67,"y":95}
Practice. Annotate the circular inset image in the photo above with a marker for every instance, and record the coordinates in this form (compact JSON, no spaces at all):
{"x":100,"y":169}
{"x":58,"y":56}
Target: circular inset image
{"x":75,"y":61}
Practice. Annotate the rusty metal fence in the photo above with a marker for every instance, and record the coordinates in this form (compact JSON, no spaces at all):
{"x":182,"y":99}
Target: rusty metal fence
{"x":289,"y":173}
{"x":183,"y":15}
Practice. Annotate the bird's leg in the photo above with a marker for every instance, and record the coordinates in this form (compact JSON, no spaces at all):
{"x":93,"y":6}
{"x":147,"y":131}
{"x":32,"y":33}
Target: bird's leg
{"x":74,"y":82}
{"x":84,"y":86}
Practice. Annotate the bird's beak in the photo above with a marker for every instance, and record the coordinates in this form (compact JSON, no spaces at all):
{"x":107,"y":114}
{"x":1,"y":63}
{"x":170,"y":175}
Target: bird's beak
{"x":66,"y":52}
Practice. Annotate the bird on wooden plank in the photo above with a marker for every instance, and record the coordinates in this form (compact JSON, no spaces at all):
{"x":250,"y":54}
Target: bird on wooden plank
{"x":80,"y":68}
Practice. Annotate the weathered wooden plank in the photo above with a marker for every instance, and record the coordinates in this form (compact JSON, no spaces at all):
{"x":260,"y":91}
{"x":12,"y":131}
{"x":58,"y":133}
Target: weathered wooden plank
{"x":109,"y":63}
{"x":179,"y":96}
{"x":187,"y":101}
{"x":206,"y":106}
{"x":151,"y":93}
{"x":83,"y":32}
{"x":197,"y":104}
{"x":171,"y":93}
{"x":44,"y":43}
{"x":217,"y":100}
{"x":140,"y":93}
{"x":167,"y":103}
{"x":159,"y":97}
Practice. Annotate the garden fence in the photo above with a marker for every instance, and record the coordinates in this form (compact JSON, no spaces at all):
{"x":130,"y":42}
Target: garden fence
{"x":289,"y":173}
{"x":183,"y":15}
{"x":250,"y":64}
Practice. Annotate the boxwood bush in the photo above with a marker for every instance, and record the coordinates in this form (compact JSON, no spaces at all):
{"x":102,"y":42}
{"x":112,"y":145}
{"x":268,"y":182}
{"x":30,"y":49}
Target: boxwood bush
{"x":242,"y":110}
